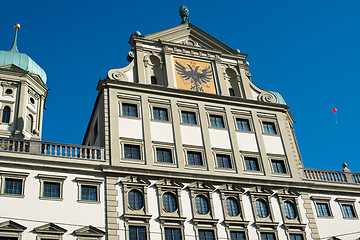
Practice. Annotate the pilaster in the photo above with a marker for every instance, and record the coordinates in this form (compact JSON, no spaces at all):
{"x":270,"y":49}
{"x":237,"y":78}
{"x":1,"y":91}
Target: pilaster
{"x":177,"y":135}
{"x":206,"y":137}
{"x":111,"y":208}
{"x":245,"y":82}
{"x":310,"y":216}
{"x":140,"y":64}
{"x":21,"y":109}
{"x":224,"y":91}
{"x":168,"y":67}
{"x":146,"y":122}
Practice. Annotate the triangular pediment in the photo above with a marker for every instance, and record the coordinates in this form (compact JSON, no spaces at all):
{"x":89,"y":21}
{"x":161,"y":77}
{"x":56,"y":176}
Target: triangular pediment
{"x":11,"y":226}
{"x":260,"y":190}
{"x":189,"y":34}
{"x":50,"y":228}
{"x":135,"y":180}
{"x":169,"y":183}
{"x":231,"y":188}
{"x":89,"y":231}
{"x":201,"y":186}
{"x":287,"y":192}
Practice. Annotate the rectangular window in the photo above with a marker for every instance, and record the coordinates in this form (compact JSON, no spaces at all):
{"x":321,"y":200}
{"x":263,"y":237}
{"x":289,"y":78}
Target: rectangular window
{"x":137,"y":233}
{"x":278,"y":166}
{"x":237,"y":235}
{"x":51,"y":189}
{"x":216,"y":121}
{"x":13,"y":186}
{"x":188,"y":117}
{"x":269,"y":127}
{"x":348,"y":211}
{"x":243,"y":124}
{"x":223,"y":161}
{"x":296,"y":236}
{"x":160,"y":114}
{"x":267,"y":236}
{"x":129,"y":110}
{"x":172,"y":234}
{"x":164,"y":155}
{"x":251,"y":164}
{"x":194,"y":158}
{"x":132,"y":152}
{"x":206,"y":235}
{"x":89,"y":193}
{"x":323,"y":209}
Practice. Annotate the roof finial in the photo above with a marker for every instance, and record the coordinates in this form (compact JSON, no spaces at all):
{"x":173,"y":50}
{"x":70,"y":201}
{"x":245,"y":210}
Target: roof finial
{"x":14,"y":46}
{"x":184,"y":13}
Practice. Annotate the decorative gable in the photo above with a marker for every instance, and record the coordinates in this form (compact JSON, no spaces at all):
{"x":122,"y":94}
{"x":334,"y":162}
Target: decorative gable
{"x":89,"y":231}
{"x":231,"y":188}
{"x":169,"y":183}
{"x":201,"y":186}
{"x":11,"y":226}
{"x":260,"y":190}
{"x":135,"y":180}
{"x":50,"y":228}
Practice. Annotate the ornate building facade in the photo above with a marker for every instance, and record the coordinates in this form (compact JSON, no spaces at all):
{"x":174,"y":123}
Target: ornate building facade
{"x":181,"y":144}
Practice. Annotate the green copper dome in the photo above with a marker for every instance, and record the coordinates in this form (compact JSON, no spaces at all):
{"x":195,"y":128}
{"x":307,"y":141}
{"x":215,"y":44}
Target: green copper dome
{"x":21,"y":60}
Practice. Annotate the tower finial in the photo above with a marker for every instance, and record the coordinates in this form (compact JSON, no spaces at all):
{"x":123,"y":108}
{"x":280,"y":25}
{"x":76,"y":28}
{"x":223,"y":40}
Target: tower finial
{"x":14,"y":46}
{"x":184,"y":13}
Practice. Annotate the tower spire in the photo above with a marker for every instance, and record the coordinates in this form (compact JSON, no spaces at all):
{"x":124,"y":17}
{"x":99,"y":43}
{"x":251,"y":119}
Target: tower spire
{"x":14,"y":46}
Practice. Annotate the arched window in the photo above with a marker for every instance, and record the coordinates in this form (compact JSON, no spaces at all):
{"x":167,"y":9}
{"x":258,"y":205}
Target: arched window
{"x":289,"y":210}
{"x":261,"y":208}
{"x":6,"y":115}
{"x":169,"y":202}
{"x":202,"y":205}
{"x":30,"y":123}
{"x":155,"y":71}
{"x":231,"y":92}
{"x":232,"y":206}
{"x":153,"y":80}
{"x":233,"y":82}
{"x":135,"y":199}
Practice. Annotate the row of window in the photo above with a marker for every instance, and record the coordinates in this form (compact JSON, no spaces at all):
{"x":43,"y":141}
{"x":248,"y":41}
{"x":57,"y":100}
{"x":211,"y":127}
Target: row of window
{"x":139,"y":233}
{"x":346,"y":205}
{"x":189,"y":117}
{"x":51,"y":187}
{"x":195,"y":158}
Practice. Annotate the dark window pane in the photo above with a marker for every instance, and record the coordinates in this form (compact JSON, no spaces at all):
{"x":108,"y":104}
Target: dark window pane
{"x":188,"y":117}
{"x":278,"y":166}
{"x":251,"y":164}
{"x":232,"y":206}
{"x":323,"y":209}
{"x":201,"y":204}
{"x":261,"y":208}
{"x":132,"y":152}
{"x":137,"y":233}
{"x":153,"y":80}
{"x":267,"y":236}
{"x":51,"y":190}
{"x":163,"y":155}
{"x":216,"y":121}
{"x":135,"y":199}
{"x":89,"y":193}
{"x":160,"y":114}
{"x":223,"y":161}
{"x":231,"y":92}
{"x":269,"y":127}
{"x":348,"y":211}
{"x":129,"y":110}
{"x":194,"y":158}
{"x":237,"y":235}
{"x":13,"y":186}
{"x":6,"y":115}
{"x":172,"y":234}
{"x":296,"y":236}
{"x":169,"y":202}
{"x":289,"y":210}
{"x":243,"y":124}
{"x":206,"y":235}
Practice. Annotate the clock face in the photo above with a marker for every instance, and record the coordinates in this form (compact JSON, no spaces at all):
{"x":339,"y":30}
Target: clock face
{"x":194,"y":75}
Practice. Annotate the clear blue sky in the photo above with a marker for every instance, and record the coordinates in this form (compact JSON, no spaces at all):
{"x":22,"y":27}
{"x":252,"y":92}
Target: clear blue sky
{"x":306,"y":50}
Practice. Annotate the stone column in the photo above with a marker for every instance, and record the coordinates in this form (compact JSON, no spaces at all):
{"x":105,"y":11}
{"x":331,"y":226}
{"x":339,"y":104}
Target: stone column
{"x":139,"y":51}
{"x":111,"y":208}
{"x":21,"y":108}
{"x":168,"y":68}
{"x":224,"y":91}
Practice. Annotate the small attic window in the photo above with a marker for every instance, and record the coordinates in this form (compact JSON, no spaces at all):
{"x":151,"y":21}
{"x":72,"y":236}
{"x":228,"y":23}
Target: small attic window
{"x":8,"y":91}
{"x":231,"y":92}
{"x":153,"y":80}
{"x":32,"y":100}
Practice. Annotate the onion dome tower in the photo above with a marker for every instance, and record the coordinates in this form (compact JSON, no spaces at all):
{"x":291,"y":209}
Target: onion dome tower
{"x":23,"y":93}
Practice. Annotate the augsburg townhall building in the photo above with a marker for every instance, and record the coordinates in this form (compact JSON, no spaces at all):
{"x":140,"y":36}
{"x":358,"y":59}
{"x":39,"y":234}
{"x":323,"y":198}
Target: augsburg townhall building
{"x":181,"y":144}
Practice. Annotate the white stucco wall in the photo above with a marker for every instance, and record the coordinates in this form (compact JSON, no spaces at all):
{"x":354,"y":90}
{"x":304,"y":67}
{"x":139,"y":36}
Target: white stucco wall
{"x":247,"y":142}
{"x":191,"y":135}
{"x":219,"y":138}
{"x":273,"y":144}
{"x":162,"y":132}
{"x":130,"y":128}
{"x":69,"y":214}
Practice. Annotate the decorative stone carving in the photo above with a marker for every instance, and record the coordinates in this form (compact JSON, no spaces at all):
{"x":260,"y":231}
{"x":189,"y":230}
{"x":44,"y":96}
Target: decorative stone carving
{"x":117,"y":75}
{"x":267,"y":97}
{"x":248,"y":73}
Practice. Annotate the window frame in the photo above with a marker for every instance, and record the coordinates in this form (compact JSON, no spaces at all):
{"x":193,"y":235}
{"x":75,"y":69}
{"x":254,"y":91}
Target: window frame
{"x":89,"y":182}
{"x":262,"y":193}
{"x":322,"y":200}
{"x":163,"y":105}
{"x":173,"y":227}
{"x":272,"y":121}
{"x":188,"y":107}
{"x":13,"y":175}
{"x":133,"y":100}
{"x":2,"y":114}
{"x":283,"y":159}
{"x":248,"y":118}
{"x":10,"y":104}
{"x":349,"y":202}
{"x":168,"y":146}
{"x":231,"y":230}
{"x":201,"y":188}
{"x":224,"y":152}
{"x":195,"y":117}
{"x":130,"y":105}
{"x":53,"y":179}
{"x":217,"y":114}
{"x":49,"y":231}
{"x":195,"y":149}
{"x":213,"y":229}
{"x":256,"y":156}
{"x":292,"y":196}
{"x":274,"y":232}
{"x":134,"y":142}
